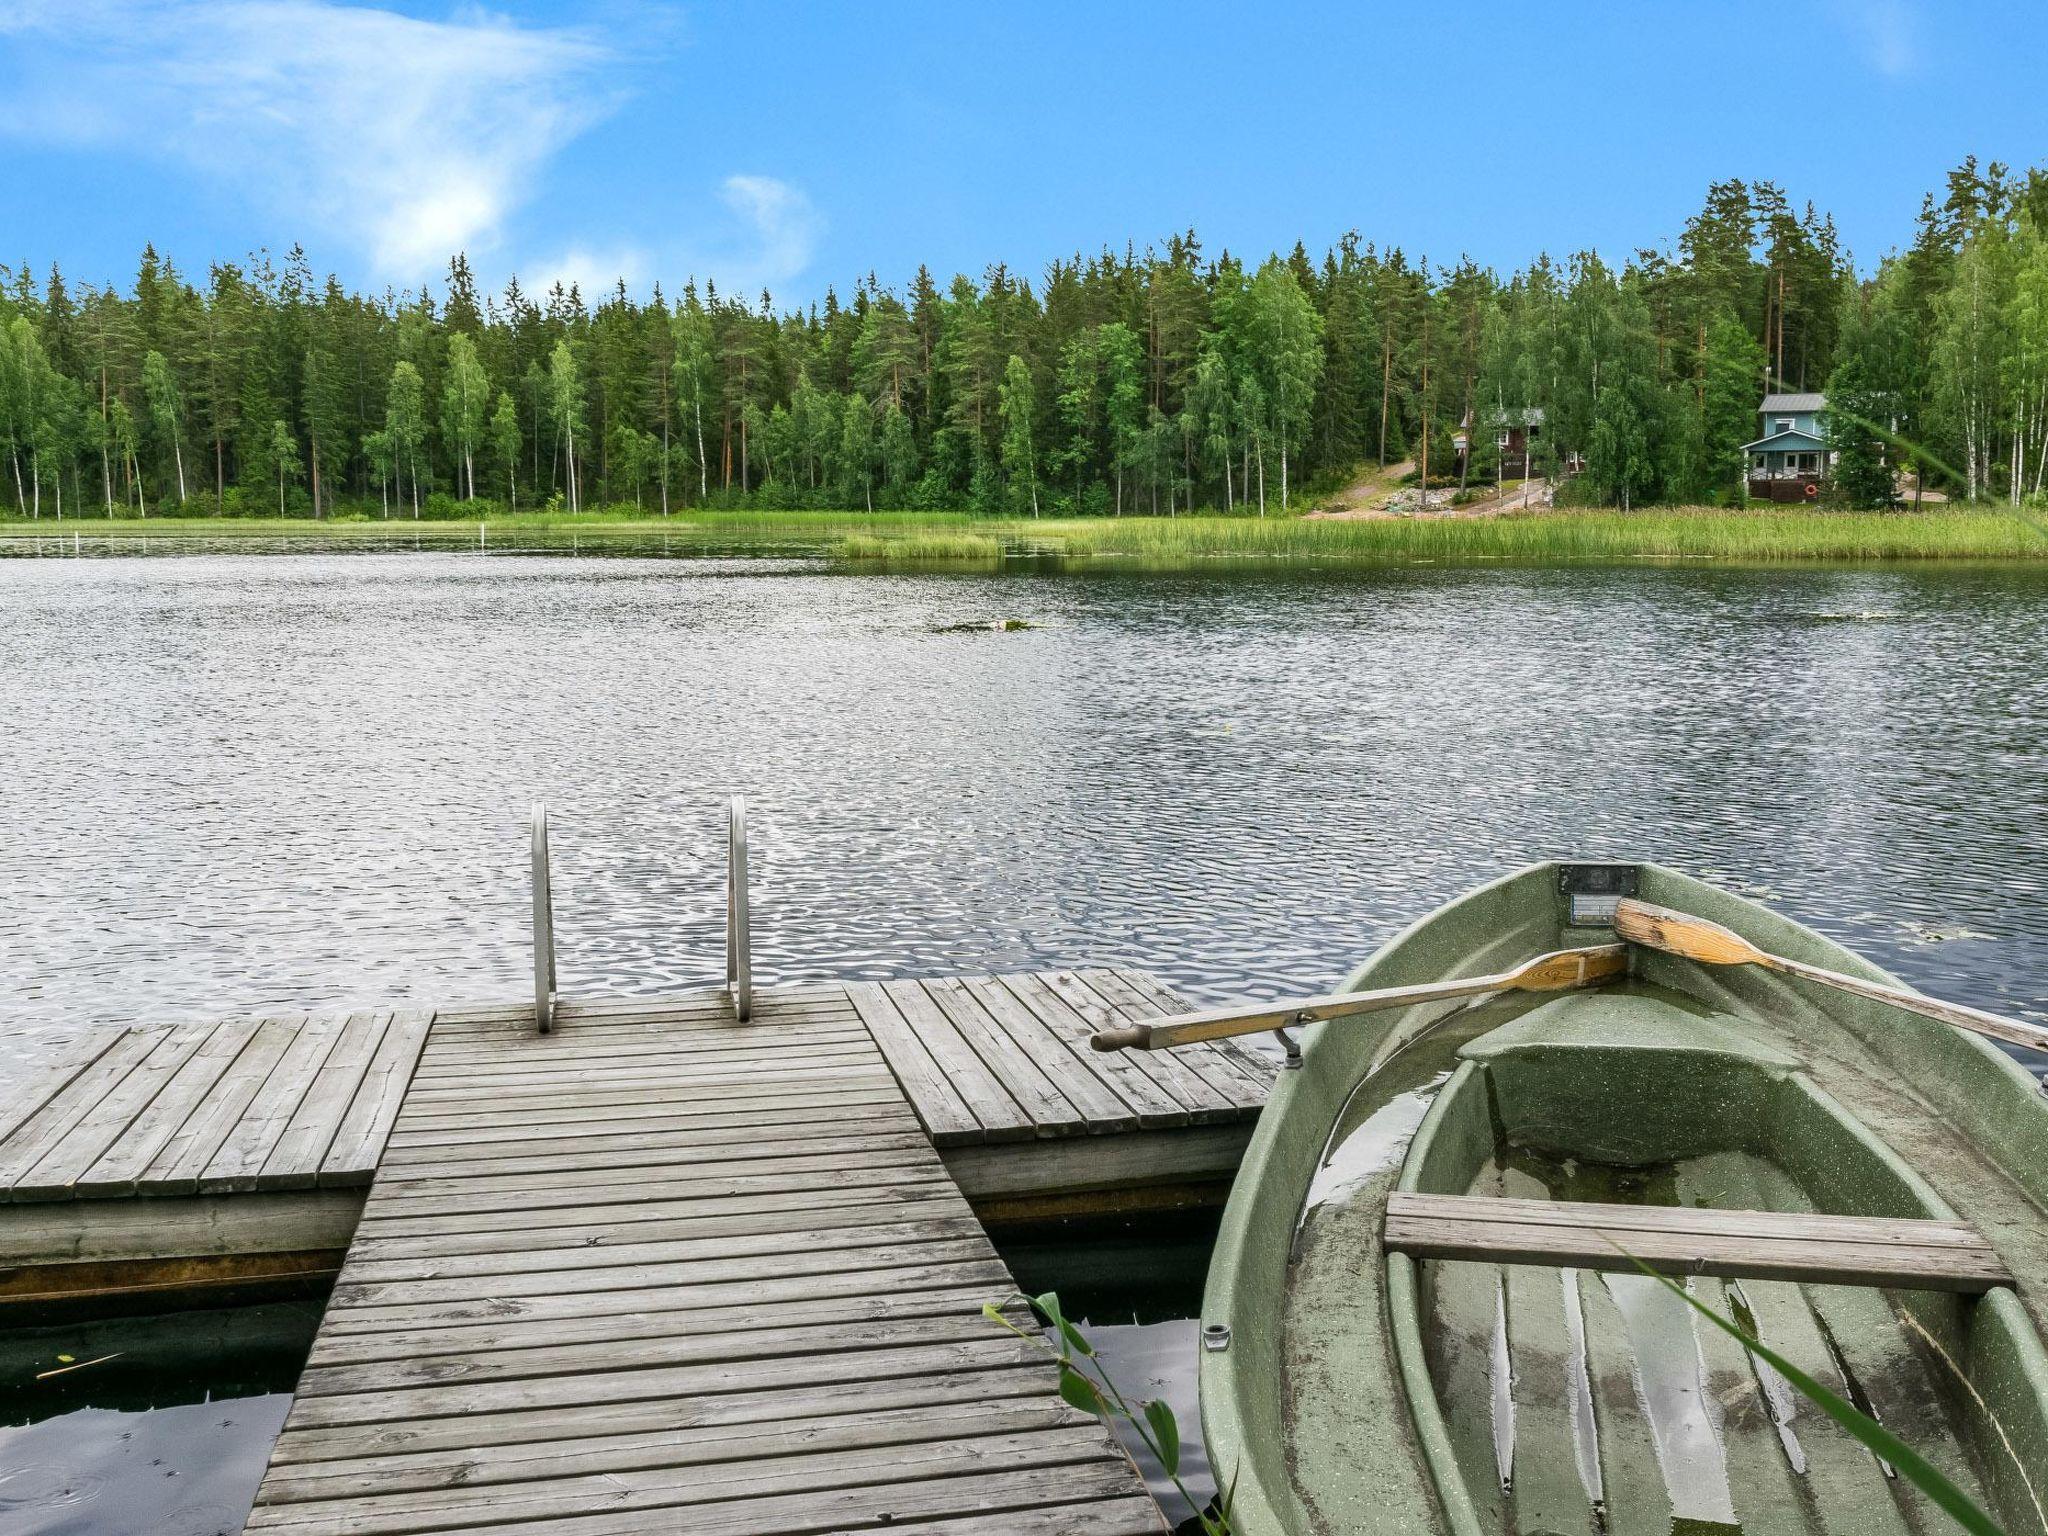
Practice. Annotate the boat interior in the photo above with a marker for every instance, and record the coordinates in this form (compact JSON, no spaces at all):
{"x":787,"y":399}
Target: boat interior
{"x":1491,"y":1392}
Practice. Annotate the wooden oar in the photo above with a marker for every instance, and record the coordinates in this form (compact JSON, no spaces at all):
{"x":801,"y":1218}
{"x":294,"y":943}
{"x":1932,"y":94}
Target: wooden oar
{"x":1554,"y":972}
{"x":1695,"y":938}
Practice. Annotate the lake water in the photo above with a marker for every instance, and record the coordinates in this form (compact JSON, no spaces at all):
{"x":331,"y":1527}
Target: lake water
{"x":235,"y":781}
{"x":239,"y":781}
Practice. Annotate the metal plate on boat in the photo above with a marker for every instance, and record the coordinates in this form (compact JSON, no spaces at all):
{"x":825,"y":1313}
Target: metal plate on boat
{"x":1591,"y":891}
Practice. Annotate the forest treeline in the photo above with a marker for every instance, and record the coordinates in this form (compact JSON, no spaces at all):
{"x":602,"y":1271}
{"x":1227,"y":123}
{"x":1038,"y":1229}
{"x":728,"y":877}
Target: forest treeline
{"x":1153,"y":382}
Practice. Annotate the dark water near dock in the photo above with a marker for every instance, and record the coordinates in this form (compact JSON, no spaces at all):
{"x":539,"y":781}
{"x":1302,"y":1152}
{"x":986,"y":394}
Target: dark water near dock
{"x":236,"y":782}
{"x":156,"y":1424}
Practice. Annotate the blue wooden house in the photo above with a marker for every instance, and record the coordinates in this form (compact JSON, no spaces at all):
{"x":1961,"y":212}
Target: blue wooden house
{"x":1791,"y":460}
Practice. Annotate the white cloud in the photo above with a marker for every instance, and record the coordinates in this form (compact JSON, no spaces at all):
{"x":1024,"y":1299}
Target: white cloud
{"x":410,"y":139}
{"x":784,"y":225}
{"x":1887,"y":31}
{"x":765,"y":238}
{"x":406,"y":140}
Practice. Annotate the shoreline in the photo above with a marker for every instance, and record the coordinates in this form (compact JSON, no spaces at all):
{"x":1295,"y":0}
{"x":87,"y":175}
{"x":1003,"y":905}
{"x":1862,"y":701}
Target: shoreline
{"x":1562,"y":537}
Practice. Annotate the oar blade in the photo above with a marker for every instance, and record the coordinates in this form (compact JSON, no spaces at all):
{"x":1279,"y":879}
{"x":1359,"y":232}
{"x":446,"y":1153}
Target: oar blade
{"x":1564,"y":969}
{"x":1679,"y":933}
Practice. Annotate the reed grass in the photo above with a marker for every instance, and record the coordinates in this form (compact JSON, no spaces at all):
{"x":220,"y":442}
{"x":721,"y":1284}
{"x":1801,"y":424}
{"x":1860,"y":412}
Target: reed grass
{"x":1559,"y":537}
{"x":920,"y":546}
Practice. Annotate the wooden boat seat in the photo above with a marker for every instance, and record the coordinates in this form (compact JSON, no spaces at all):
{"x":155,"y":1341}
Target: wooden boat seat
{"x":1686,"y":1240}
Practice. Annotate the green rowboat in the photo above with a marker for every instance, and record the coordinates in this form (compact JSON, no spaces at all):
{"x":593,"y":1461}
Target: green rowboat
{"x":1349,"y":1387}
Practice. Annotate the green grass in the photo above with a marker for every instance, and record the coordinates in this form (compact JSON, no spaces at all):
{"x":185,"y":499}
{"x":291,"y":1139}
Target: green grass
{"x":1596,"y":537}
{"x":946,"y":545}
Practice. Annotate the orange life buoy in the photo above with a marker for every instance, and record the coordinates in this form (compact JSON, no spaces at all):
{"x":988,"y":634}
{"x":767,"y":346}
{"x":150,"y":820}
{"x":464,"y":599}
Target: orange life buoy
{"x":1812,"y":491}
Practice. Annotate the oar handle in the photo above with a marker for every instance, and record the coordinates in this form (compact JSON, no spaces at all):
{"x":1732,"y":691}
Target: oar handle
{"x":1955,"y":1015}
{"x":1133,"y":1037}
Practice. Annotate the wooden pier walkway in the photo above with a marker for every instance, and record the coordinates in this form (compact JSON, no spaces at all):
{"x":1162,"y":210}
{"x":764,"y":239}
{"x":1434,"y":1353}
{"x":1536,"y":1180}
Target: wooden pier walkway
{"x":662,"y":1271}
{"x":172,"y":1159}
{"x":658,"y":1270}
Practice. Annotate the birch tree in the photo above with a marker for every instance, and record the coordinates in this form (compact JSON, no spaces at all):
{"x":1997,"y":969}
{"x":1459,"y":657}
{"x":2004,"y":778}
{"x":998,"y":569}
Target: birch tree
{"x":506,"y":441}
{"x":1285,"y":336}
{"x":1017,"y":401}
{"x":405,"y":424}
{"x":691,"y":329}
{"x":284,"y":448}
{"x":166,"y":409}
{"x":465,"y":399}
{"x":565,"y":398}
{"x":1970,"y":350}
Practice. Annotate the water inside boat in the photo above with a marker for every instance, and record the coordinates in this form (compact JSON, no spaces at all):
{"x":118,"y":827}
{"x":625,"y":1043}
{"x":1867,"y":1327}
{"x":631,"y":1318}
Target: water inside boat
{"x":1583,"y":1402}
{"x":1575,"y":1402}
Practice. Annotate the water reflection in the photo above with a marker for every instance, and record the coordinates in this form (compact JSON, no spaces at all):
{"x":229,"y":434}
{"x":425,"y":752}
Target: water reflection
{"x":158,"y":1424}
{"x":1135,"y":1288}
{"x":242,"y":781}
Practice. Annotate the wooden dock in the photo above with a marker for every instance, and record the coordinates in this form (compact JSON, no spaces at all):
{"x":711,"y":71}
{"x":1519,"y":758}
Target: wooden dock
{"x":193,"y":1154}
{"x":1033,"y":1122}
{"x":659,"y":1270}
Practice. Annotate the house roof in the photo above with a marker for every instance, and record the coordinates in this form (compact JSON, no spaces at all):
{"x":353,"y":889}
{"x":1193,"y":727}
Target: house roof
{"x":1529,"y":416}
{"x":1794,"y":403}
{"x":1787,"y":441}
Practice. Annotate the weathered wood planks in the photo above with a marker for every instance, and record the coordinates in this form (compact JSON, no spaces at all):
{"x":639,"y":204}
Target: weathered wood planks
{"x":662,"y":1270}
{"x":290,"y":1102}
{"x":1006,"y":1058}
{"x":1763,"y":1245}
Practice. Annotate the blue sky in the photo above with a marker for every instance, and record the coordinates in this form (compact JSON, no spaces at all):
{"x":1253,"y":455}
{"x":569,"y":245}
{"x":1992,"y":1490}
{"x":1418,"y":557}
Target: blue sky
{"x":795,"y":145}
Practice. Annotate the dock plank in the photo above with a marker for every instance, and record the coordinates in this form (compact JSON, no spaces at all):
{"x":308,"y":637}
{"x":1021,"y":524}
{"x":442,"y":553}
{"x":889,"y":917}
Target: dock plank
{"x":58,"y":1170}
{"x":1206,"y":1106}
{"x":359,"y":1138}
{"x":940,"y":1105}
{"x":1142,"y":1102}
{"x":1096,"y":1105}
{"x":238,"y":1160}
{"x":1162,"y":1077}
{"x":70,"y":1105}
{"x":117,"y":1170}
{"x":1034,"y":1093}
{"x":1223,"y":1064}
{"x":176,"y":1169}
{"x":998,"y":1111}
{"x":294,"y":1162}
{"x":719,"y":1279}
{"x":28,"y":1091}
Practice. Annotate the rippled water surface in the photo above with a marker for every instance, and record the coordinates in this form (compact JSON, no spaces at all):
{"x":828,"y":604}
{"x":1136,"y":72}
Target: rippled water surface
{"x":237,"y":781}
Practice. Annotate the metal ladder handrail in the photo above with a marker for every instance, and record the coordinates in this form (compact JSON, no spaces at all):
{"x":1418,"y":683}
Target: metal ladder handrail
{"x":543,"y":924}
{"x":739,"y":967}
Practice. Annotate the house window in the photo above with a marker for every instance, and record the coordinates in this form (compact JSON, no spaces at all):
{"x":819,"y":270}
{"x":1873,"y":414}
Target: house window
{"x":1784,"y":423}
